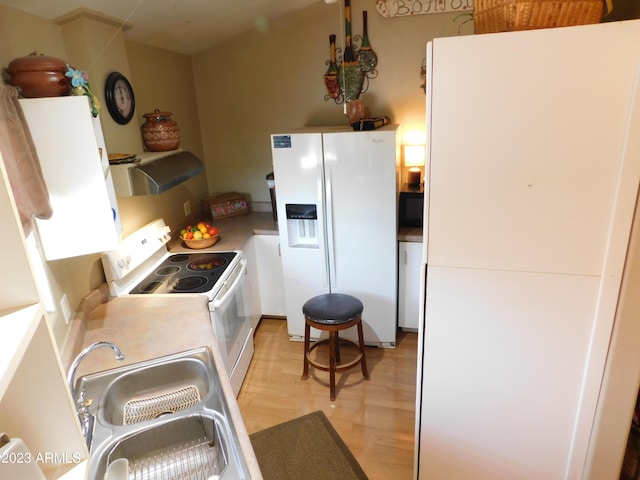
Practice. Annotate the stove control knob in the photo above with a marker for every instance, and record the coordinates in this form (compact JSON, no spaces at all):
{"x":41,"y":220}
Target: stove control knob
{"x":124,"y":262}
{"x":165,"y":235}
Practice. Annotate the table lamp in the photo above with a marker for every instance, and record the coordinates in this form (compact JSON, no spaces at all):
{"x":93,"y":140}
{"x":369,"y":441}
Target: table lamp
{"x":414,"y":159}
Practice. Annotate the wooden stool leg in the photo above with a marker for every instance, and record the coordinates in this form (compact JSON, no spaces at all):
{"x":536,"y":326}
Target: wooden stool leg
{"x":337,"y":349}
{"x":332,"y":366}
{"x":307,"y":334}
{"x":363,"y":361}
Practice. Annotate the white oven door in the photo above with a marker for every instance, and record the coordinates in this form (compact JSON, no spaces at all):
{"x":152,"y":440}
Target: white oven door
{"x":232,"y":325}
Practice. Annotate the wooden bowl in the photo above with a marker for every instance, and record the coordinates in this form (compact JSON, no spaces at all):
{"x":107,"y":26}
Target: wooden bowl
{"x":39,"y":76}
{"x":204,"y":243}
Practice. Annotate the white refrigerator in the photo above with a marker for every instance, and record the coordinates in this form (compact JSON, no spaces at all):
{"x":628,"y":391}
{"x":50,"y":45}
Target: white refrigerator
{"x":532,"y":179}
{"x":336,"y":193}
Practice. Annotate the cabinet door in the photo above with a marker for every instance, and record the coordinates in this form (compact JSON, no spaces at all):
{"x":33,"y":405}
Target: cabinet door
{"x":505,"y":357}
{"x":253,"y":283}
{"x":84,"y":220}
{"x":409,"y":262}
{"x":270,"y":276}
{"x":505,"y":198}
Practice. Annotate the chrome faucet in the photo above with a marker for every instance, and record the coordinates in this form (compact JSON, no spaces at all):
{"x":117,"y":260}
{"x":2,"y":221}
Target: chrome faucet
{"x":86,"y":419}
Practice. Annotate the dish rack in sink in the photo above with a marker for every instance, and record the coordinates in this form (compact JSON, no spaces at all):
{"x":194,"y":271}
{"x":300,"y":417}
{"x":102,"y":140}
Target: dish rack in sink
{"x":186,"y":448}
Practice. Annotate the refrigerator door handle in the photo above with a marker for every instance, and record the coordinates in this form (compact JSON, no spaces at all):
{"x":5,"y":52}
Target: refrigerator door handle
{"x":329,"y":239}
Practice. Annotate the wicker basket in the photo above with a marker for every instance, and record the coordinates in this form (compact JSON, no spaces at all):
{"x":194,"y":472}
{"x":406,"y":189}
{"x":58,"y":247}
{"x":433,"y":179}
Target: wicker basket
{"x":492,"y":16}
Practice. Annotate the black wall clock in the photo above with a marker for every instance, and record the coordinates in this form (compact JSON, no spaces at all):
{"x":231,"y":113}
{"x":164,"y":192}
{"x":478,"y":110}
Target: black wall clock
{"x":120,"y":99}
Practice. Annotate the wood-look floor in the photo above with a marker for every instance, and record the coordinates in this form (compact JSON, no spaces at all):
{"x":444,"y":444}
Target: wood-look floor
{"x":375,"y":418}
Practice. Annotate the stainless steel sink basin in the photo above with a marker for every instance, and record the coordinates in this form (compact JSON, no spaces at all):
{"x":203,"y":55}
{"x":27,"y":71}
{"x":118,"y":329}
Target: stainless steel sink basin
{"x":146,"y":393}
{"x":157,"y":405}
{"x":146,"y":390}
{"x":192,"y":446}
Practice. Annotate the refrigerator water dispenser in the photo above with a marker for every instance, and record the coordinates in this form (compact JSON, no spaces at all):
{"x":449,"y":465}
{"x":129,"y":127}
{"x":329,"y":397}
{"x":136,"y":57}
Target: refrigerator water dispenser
{"x":302,"y":222}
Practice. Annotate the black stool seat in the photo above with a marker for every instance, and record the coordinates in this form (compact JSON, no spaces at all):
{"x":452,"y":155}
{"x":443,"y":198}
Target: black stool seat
{"x":333,"y":308}
{"x":331,"y":313}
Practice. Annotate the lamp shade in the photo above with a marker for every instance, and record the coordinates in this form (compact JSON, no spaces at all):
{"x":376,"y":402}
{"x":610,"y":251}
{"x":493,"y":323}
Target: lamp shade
{"x":414,"y":155}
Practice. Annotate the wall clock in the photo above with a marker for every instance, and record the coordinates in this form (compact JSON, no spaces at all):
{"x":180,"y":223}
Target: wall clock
{"x":120,"y":99}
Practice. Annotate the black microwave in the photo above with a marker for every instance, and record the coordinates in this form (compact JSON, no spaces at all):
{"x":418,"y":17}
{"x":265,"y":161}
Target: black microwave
{"x":411,"y":206}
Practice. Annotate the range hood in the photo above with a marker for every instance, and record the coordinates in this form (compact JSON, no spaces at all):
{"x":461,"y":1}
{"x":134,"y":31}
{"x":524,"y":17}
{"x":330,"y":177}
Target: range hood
{"x":155,"y":173}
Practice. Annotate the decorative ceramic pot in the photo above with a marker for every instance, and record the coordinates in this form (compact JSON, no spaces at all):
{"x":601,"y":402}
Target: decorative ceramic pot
{"x":39,"y":75}
{"x":356,"y":111}
{"x":159,"y":132}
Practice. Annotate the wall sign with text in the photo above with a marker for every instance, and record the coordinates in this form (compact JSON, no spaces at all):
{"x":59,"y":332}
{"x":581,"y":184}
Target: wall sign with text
{"x":401,"y":8}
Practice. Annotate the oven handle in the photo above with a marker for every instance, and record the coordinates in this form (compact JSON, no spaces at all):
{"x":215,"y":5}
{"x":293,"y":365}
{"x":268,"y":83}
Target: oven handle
{"x":236,"y":277}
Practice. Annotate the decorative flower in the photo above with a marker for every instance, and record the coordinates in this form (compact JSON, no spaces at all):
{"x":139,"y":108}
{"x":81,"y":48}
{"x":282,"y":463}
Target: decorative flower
{"x":80,"y":86}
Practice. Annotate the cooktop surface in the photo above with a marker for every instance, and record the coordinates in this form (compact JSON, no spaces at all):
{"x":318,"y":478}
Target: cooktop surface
{"x":186,"y":273}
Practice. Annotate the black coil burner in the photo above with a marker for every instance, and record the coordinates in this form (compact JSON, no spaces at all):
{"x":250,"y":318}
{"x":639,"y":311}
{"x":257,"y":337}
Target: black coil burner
{"x":185,"y":273}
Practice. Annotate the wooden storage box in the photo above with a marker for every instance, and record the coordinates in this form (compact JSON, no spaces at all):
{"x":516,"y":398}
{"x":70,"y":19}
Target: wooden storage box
{"x":227,"y":205}
{"x":492,"y":16}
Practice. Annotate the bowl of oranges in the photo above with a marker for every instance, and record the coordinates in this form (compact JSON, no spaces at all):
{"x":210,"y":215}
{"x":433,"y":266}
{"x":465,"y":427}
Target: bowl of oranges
{"x":200,"y":235}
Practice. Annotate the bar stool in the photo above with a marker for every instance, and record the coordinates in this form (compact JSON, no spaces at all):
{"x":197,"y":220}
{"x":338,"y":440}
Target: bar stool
{"x":331,"y":313}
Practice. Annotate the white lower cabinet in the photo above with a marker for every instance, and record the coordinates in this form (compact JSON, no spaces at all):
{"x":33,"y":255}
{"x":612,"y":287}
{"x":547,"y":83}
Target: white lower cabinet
{"x":253,"y":287}
{"x":409,"y":263}
{"x":270,"y":275}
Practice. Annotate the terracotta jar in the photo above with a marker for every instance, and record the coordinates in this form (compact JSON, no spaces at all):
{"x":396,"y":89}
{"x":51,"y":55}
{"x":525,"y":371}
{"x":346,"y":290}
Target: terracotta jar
{"x":159,"y":132}
{"x":39,"y":76}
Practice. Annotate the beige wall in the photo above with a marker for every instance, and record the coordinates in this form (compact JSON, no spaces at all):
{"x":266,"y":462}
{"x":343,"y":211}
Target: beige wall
{"x":269,"y":81}
{"x":97,"y":46}
{"x":21,"y":34}
{"x":227,"y":100}
{"x":164,"y":80}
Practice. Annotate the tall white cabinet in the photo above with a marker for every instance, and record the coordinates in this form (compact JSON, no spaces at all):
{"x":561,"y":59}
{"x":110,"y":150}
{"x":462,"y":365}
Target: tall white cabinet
{"x":35,"y":404}
{"x":532,"y":178}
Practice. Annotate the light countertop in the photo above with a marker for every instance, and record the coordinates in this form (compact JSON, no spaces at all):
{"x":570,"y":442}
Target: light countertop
{"x":235,"y":231}
{"x":406,"y":234}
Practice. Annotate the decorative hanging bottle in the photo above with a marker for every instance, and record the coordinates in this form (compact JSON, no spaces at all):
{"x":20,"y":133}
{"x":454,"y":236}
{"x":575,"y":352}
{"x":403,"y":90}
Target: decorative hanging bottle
{"x":350,"y":75}
{"x":331,"y":77}
{"x":366,"y":56}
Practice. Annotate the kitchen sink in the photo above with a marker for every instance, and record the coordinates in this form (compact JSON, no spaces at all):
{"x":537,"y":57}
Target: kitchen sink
{"x":149,"y":389}
{"x":191,"y":446}
{"x":145,"y":393}
{"x":172,"y":403}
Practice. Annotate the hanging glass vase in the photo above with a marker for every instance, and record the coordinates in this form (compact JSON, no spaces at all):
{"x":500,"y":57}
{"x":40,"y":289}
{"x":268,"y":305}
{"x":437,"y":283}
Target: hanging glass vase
{"x":331,"y":76}
{"x":367,"y":58}
{"x":350,"y":75}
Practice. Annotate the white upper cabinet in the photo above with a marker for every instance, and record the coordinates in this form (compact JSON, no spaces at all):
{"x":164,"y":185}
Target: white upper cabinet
{"x":550,"y":167}
{"x":75,"y":167}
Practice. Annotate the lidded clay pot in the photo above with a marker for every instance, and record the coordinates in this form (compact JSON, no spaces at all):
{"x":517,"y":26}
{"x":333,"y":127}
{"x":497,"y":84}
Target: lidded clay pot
{"x":39,"y":75}
{"x":160,"y":132}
